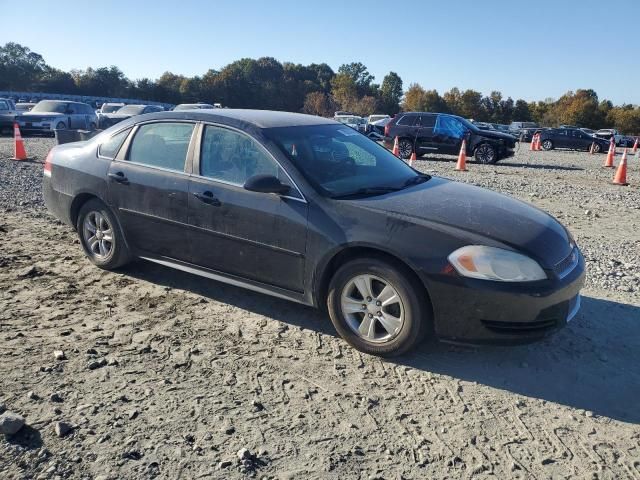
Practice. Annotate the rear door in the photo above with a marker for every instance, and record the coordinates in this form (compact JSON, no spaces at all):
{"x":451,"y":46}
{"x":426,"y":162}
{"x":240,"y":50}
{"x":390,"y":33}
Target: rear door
{"x":561,"y":139}
{"x":425,"y":142}
{"x":148,"y":187}
{"x":256,"y":236}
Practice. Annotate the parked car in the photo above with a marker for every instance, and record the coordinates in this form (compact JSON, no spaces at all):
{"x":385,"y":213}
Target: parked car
{"x":128,"y":111}
{"x":292,"y":205}
{"x":371,"y":119}
{"x":443,"y":133}
{"x":620,"y":139}
{"x":353,"y":121}
{"x":571,"y":138}
{"x":501,"y":128}
{"x":526,"y":134}
{"x":377,"y":129}
{"x":483,"y":125}
{"x":588,"y":131}
{"x":7,"y":115}
{"x":24,"y":107}
{"x":195,"y":106}
{"x":49,"y":115}
{"x":110,"y":107}
{"x":515,"y":127}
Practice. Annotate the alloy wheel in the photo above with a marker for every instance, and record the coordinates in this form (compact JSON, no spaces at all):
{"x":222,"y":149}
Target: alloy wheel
{"x":485,"y":153}
{"x":547,"y":145}
{"x":98,"y":235}
{"x":372,"y":308}
{"x":405,"y":148}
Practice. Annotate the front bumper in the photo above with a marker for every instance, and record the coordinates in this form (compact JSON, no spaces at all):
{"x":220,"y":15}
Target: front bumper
{"x":482,"y":312}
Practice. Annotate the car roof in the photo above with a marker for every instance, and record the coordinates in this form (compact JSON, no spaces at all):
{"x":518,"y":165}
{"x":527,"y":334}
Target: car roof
{"x":256,"y":118}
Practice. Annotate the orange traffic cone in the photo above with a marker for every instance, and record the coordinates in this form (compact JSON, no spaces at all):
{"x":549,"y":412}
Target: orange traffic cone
{"x":19,"y":151}
{"x":532,"y":145}
{"x":621,"y":174}
{"x":461,"y":166}
{"x":635,"y":146}
{"x":592,"y":147}
{"x":538,"y":143}
{"x":610,"y":154}
{"x":396,"y":148}
{"x":413,"y":158}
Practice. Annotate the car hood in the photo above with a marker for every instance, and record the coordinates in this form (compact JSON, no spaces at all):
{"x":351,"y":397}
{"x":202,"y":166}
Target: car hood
{"x":497,"y":135}
{"x":475,"y":213}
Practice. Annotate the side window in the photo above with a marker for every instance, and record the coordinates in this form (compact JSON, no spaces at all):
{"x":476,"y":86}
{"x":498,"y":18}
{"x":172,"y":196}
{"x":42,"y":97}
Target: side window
{"x":449,"y":126}
{"x":407,"y":120}
{"x":4,"y":105}
{"x":110,"y":147}
{"x":233,"y":157}
{"x":161,"y":145}
{"x":427,"y":121}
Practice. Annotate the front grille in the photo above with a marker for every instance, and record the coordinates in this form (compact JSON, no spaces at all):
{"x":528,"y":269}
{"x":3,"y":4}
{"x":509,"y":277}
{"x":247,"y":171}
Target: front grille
{"x":565,"y":266}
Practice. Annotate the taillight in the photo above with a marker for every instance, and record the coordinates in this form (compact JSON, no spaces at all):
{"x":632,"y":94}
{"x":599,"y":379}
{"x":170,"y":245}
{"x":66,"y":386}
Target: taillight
{"x":47,"y":164}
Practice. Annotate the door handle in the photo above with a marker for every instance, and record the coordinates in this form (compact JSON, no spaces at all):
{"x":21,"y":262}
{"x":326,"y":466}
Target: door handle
{"x":119,"y":177}
{"x":207,"y":197}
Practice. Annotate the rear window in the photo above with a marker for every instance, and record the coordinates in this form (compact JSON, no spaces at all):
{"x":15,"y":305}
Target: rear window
{"x":407,"y":120}
{"x":109,"y":148}
{"x":427,"y":121}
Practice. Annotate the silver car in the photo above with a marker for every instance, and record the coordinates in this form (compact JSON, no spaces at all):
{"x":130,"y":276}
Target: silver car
{"x":50,"y":115}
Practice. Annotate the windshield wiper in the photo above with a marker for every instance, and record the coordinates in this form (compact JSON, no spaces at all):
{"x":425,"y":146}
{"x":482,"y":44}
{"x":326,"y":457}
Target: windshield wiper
{"x":368,"y":192}
{"x":416,"y":180}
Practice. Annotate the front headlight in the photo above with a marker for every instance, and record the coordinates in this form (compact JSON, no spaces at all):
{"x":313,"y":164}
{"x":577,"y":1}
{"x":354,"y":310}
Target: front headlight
{"x":490,"y":263}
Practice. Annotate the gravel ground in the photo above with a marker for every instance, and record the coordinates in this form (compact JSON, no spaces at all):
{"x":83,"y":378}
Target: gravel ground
{"x":150,"y":372}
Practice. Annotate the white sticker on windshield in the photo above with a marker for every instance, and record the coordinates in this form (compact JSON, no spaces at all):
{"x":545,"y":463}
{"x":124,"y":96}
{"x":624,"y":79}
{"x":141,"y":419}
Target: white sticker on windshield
{"x":348,"y":132}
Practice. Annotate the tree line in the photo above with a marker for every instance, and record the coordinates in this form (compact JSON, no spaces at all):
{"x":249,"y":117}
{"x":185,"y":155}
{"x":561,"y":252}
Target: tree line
{"x":266,"y":83}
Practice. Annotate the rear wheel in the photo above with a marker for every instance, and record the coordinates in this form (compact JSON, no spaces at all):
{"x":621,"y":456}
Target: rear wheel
{"x":377,"y":308}
{"x":406,"y":148}
{"x":100,"y":236}
{"x":547,"y":145}
{"x":486,"y":153}
{"x":597,"y":148}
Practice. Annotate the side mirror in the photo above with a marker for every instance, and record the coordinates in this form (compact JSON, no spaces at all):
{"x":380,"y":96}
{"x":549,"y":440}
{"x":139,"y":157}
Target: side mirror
{"x":266,"y":184}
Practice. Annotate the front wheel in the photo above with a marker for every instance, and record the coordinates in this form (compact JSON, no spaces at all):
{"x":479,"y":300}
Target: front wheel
{"x":60,"y":126}
{"x":100,"y":236}
{"x":406,"y":148}
{"x":597,"y":148}
{"x":377,"y":308}
{"x":486,"y":154}
{"x":547,"y":145}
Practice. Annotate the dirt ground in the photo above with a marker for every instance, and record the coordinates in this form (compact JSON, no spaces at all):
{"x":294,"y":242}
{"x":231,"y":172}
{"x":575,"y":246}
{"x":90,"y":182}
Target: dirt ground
{"x":169,"y":375}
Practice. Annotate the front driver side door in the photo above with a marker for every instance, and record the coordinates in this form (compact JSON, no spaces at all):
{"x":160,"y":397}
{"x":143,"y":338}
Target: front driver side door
{"x":255,"y":236}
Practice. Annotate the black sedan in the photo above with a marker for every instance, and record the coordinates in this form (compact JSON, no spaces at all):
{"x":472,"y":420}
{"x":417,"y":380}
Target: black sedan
{"x":307,"y":209}
{"x":571,"y":138}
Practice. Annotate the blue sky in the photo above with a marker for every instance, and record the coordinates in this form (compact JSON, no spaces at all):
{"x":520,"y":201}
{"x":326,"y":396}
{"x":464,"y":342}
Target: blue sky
{"x":529,"y":50}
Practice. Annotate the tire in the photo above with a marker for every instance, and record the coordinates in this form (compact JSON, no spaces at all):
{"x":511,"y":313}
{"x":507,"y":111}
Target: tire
{"x":547,"y":145}
{"x":597,"y":148}
{"x":108,"y":249}
{"x":407,"y":319}
{"x":60,"y":126}
{"x":486,"y":153}
{"x":92,"y":126}
{"x":406,"y":148}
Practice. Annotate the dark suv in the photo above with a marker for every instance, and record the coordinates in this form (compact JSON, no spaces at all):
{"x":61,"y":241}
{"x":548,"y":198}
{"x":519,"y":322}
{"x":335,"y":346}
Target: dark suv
{"x":443,"y":133}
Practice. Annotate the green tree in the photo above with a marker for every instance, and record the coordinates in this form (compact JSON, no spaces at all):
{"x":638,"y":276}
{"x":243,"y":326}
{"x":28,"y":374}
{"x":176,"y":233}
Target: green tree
{"x":391,"y":93}
{"x":20,"y":68}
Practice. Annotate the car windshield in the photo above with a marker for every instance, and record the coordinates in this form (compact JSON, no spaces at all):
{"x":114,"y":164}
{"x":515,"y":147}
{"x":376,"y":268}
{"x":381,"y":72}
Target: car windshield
{"x":466,"y":123}
{"x":49,"y":106}
{"x":110,"y":108}
{"x":342,"y":163}
{"x":131,"y":109}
